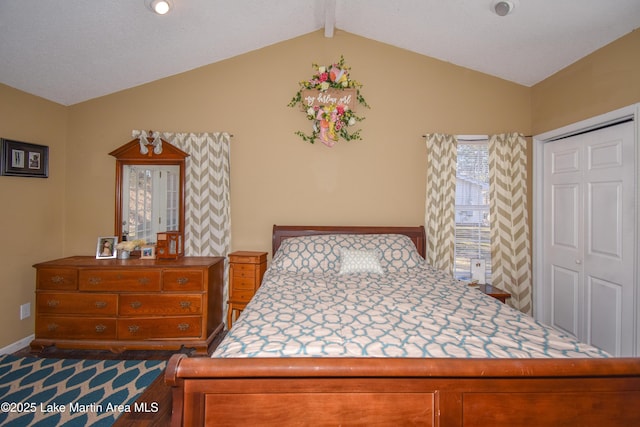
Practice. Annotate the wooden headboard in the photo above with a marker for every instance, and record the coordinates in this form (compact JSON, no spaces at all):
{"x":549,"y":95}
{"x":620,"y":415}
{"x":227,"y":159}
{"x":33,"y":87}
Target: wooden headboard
{"x":282,"y":232}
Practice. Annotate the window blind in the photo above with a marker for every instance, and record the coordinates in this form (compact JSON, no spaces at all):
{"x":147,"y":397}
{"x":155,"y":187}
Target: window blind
{"x":472,"y":207}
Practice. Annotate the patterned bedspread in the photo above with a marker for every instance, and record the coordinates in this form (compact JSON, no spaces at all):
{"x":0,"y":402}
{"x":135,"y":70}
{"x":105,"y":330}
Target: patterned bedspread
{"x":419,"y":312}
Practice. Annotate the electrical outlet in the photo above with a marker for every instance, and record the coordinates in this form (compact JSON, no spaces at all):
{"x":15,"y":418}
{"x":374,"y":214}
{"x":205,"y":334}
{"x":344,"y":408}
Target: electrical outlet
{"x":25,"y":311}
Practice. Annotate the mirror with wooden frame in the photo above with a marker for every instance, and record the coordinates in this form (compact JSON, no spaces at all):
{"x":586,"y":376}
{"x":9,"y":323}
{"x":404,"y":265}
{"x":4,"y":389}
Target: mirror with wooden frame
{"x":150,"y":186}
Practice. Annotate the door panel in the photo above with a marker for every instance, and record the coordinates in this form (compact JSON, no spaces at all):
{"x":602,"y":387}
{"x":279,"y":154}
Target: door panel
{"x":605,"y":314}
{"x":589,"y":216}
{"x":565,"y":284}
{"x":605,"y":207}
{"x":565,"y":160}
{"x":605,"y":155}
{"x":565,"y":214}
{"x":564,"y":244}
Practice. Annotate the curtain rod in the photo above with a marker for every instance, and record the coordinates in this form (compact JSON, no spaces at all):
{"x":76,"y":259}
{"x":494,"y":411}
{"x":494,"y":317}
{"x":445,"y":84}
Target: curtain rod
{"x":476,"y":137}
{"x":151,"y":132}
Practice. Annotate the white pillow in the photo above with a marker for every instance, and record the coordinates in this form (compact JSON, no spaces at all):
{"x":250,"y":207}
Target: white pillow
{"x":360,"y":261}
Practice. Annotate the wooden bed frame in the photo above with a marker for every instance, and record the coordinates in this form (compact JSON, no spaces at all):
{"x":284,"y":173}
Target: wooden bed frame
{"x":377,"y":391}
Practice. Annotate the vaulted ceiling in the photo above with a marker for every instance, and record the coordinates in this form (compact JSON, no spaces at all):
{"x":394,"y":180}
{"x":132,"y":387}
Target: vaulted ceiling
{"x":76,"y":50}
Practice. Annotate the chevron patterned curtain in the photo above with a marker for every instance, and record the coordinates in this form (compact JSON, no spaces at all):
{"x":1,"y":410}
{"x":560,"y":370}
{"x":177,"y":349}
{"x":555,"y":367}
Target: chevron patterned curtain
{"x":510,"y":255}
{"x":440,"y":206}
{"x":207,"y":203}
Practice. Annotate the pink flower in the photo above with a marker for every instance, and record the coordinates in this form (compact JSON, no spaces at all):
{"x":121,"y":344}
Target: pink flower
{"x":336,"y":74}
{"x":324,"y":77}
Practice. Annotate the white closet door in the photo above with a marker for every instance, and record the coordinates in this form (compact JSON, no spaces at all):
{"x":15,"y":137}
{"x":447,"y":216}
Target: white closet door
{"x":589,"y":193}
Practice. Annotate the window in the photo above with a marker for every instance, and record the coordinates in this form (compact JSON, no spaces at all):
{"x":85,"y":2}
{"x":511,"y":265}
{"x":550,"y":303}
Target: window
{"x":472,"y":207}
{"x":151,"y":198}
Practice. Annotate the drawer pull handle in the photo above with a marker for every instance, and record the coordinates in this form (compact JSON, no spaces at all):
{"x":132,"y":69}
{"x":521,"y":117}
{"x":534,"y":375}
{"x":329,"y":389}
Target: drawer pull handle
{"x":185,"y":304}
{"x":57,"y":279}
{"x":101,"y":304}
{"x":183,"y":280}
{"x":100,"y":328}
{"x":136,"y":304}
{"x":53,"y":303}
{"x":183,"y":326}
{"x":52,"y":327}
{"x":134,"y":328}
{"x":143,"y":280}
{"x":95,"y":280}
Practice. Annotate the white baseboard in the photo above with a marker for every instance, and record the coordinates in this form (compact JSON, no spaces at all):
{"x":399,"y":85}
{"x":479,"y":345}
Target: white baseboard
{"x":18,"y":345}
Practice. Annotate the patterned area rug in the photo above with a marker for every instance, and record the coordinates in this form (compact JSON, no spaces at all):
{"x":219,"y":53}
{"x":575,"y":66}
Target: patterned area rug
{"x":70,"y":392}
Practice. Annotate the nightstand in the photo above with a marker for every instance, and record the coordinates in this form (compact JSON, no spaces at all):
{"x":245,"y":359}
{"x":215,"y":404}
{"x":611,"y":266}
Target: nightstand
{"x":494,"y":292}
{"x":246,"y":269}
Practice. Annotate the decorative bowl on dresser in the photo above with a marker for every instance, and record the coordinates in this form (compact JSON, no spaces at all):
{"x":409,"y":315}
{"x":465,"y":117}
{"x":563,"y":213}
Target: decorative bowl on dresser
{"x":134,"y":304}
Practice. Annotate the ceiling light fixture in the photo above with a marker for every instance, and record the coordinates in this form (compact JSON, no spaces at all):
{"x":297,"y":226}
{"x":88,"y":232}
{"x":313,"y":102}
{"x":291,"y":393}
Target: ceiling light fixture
{"x":161,"y":7}
{"x":503,"y":7}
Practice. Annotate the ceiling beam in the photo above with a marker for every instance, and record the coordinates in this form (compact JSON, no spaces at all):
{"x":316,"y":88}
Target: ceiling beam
{"x":329,"y":17}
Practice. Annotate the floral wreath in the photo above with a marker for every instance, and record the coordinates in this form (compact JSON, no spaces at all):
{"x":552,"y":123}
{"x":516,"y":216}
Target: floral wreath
{"x":329,"y":109}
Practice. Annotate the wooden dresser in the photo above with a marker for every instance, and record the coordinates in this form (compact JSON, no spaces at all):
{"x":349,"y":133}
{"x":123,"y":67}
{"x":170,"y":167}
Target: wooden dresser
{"x":88,"y":303}
{"x":246,"y":269}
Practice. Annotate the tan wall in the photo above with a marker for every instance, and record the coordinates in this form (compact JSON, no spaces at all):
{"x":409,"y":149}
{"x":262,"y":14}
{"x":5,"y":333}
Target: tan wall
{"x":32,"y":209}
{"x":604,"y":81}
{"x":275,"y":176}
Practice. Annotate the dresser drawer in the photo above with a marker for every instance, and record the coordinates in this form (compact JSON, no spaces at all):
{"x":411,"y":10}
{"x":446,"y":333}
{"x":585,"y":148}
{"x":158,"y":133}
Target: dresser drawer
{"x":57,"y":279}
{"x":119,"y":280}
{"x":75,"y":303}
{"x":241,"y":296}
{"x":70,"y":327}
{"x":248,"y":257}
{"x":149,"y":304}
{"x":243,"y":270}
{"x":159,"y":328}
{"x":243,"y":283}
{"x":182,"y":280}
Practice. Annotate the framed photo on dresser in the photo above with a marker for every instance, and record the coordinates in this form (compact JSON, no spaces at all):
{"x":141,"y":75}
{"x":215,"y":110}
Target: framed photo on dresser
{"x":106,"y":247}
{"x":148,"y":252}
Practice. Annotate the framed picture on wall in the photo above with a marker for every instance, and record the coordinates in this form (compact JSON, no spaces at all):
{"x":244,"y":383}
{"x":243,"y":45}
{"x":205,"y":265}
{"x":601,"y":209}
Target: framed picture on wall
{"x":106,"y":247}
{"x":23,"y":159}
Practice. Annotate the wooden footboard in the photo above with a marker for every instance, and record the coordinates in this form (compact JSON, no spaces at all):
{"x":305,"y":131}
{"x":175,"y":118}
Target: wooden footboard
{"x":429,"y":392}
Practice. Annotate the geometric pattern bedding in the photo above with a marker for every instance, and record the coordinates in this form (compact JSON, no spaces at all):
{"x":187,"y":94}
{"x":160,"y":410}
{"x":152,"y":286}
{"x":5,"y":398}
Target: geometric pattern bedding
{"x":416,"y":313}
{"x":322,"y":253}
{"x":306,"y":308}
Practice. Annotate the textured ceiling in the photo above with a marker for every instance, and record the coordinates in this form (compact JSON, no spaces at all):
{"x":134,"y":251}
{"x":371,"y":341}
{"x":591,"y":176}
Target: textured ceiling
{"x":76,"y":50}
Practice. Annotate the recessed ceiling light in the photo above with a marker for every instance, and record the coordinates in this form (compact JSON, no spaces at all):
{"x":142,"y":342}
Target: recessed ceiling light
{"x":503,"y":7}
{"x":161,"y":7}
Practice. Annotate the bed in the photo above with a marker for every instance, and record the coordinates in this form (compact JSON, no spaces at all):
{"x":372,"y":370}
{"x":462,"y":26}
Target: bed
{"x":351,"y":327}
